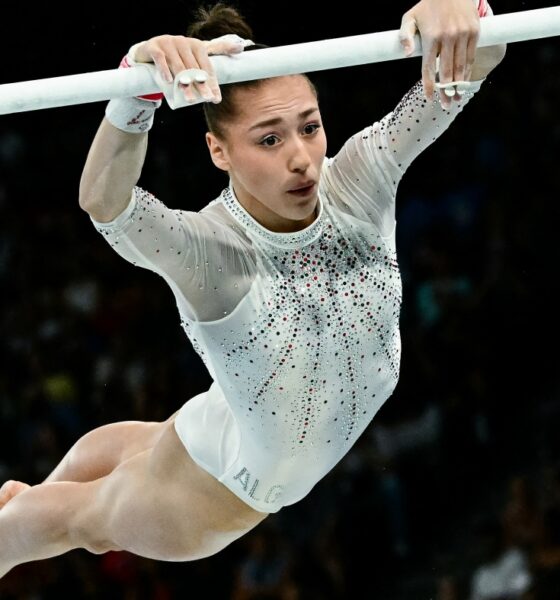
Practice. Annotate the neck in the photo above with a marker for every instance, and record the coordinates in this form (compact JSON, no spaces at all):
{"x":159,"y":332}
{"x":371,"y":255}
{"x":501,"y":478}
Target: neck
{"x":268,"y":218}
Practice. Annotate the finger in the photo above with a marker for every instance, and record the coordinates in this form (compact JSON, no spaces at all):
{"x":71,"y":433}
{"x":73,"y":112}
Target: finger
{"x":460,"y":59}
{"x":210,"y":87}
{"x":183,"y":58}
{"x":462,"y":89}
{"x":193,"y":76}
{"x":160,"y":61}
{"x":471,"y":56}
{"x":446,"y":60}
{"x":189,"y":83}
{"x":459,"y":62}
{"x":174,"y":50}
{"x":446,"y":65}
{"x":226,"y":44}
{"x":192,"y":82}
{"x":188,"y":90}
{"x":407,"y":32}
{"x":201,"y":77}
{"x":185,"y":82}
{"x":429,"y":67}
{"x":204,"y":87}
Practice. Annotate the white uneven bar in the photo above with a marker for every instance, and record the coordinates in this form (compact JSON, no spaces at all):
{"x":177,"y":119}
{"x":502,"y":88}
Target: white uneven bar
{"x":270,"y":62}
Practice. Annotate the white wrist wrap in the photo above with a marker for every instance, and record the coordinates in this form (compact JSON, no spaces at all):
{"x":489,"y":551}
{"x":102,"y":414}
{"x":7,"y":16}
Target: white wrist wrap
{"x":134,"y":115}
{"x":131,"y":114}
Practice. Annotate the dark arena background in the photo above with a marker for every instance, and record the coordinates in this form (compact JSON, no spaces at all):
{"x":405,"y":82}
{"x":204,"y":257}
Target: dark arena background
{"x":457,"y":477}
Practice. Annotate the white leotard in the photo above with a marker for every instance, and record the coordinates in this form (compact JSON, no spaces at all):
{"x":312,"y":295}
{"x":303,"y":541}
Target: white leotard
{"x":299,"y":331}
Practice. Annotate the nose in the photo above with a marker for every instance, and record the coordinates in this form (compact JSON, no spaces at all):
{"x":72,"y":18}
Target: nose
{"x":299,"y":159}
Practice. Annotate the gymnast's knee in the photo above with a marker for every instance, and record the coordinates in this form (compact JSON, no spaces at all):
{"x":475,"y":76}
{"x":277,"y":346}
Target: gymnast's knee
{"x":101,"y":547}
{"x":90,"y":537}
{"x":88,"y":529}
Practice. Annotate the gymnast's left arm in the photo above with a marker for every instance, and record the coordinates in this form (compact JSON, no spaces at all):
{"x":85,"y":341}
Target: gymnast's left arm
{"x":367,"y":170}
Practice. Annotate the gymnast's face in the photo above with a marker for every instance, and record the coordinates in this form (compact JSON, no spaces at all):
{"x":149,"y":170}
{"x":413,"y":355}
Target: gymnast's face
{"x":273,"y":150}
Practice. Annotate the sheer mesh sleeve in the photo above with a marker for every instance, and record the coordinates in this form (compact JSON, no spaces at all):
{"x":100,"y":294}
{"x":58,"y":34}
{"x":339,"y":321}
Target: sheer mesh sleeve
{"x":208,"y":266}
{"x":363,"y":177}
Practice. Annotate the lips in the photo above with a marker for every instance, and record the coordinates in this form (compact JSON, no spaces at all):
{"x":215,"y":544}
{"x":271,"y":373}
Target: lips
{"x":303,"y":192}
{"x":302,"y":186}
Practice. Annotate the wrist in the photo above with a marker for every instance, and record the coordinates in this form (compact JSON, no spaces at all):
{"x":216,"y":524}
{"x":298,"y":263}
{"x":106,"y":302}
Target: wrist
{"x":136,"y":56}
{"x":132,"y":115}
{"x":133,"y":59}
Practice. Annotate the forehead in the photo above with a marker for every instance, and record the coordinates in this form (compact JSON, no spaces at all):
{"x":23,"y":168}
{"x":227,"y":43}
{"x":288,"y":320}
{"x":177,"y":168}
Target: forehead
{"x":276,"y":97}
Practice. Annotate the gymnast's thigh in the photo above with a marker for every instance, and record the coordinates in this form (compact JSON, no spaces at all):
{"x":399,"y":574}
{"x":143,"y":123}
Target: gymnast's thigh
{"x":160,"y":504}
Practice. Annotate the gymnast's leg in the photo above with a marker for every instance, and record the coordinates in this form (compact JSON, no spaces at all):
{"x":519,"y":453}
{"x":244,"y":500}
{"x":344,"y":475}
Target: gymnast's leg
{"x":97,"y":453}
{"x":158,"y":504}
{"x":101,"y":450}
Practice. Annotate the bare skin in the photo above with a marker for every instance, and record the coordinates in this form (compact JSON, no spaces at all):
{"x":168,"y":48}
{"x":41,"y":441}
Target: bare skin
{"x":182,"y":512}
{"x":133,"y":486}
{"x":96,"y":454}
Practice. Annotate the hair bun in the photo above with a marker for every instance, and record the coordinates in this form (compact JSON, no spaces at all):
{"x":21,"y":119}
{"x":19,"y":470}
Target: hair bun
{"x":215,"y":21}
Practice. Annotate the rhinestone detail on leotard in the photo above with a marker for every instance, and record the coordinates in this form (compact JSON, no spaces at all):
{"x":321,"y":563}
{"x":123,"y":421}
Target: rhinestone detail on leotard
{"x":296,"y":239}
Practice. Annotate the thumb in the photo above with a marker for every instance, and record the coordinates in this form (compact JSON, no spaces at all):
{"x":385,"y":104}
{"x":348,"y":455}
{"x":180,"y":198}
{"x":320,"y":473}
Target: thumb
{"x":227,"y":44}
{"x":407,"y":32}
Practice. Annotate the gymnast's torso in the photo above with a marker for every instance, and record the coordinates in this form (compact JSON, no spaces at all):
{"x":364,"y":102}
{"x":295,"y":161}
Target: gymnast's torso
{"x":299,"y":331}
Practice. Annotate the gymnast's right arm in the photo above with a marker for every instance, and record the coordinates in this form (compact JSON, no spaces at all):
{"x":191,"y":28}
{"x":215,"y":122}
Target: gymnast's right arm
{"x":112,"y":170}
{"x":117,"y":154}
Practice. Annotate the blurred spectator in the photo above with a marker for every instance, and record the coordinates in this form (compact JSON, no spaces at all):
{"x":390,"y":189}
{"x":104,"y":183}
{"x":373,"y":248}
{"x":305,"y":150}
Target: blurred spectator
{"x":266,"y":571}
{"x":447,"y":588}
{"x":521,"y":517}
{"x":546,"y":554}
{"x":504,"y":571}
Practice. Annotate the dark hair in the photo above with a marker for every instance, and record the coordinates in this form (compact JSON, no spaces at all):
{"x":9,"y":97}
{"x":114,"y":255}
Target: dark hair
{"x":215,"y":21}
{"x":212,"y":22}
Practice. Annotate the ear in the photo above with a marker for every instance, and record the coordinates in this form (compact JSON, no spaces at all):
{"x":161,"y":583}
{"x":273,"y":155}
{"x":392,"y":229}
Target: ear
{"x":218,"y":151}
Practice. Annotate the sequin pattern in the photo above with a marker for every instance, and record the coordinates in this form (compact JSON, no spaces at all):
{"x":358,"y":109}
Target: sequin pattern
{"x":301,"y":334}
{"x":316,"y":348}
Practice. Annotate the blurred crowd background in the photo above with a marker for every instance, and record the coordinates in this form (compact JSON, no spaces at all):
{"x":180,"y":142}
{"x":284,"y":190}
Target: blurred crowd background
{"x":453,"y":492}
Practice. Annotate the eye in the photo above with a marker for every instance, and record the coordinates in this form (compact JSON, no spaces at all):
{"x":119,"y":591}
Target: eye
{"x":311,"y":128}
{"x":269,"y":140}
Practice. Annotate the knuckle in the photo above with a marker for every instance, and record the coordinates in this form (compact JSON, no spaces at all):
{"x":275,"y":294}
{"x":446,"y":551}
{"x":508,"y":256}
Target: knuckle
{"x":158,"y":55}
{"x":449,"y":34}
{"x":429,"y":36}
{"x":166,"y":39}
{"x":428,"y":68}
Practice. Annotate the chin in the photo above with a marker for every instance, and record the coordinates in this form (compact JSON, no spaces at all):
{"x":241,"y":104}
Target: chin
{"x":307,"y":210}
{"x":303,"y":208}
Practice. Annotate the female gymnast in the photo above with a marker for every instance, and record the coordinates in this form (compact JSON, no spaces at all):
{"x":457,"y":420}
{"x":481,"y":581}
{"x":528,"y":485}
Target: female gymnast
{"x":287,"y":285}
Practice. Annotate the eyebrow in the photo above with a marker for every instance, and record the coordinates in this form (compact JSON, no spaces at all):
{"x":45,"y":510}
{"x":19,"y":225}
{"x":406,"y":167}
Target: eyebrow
{"x":278,"y":120}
